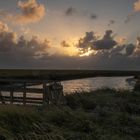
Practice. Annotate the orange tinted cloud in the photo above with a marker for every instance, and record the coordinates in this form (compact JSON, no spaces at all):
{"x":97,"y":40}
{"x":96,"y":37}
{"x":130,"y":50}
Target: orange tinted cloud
{"x":20,"y":46}
{"x":31,"y":11}
{"x":3,"y":27}
{"x":137,"y":6}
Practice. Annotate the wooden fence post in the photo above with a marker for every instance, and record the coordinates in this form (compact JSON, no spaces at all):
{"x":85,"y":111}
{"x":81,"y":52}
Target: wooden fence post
{"x":24,"y":94}
{"x":2,"y":100}
{"x":11,"y":93}
{"x":44,"y":94}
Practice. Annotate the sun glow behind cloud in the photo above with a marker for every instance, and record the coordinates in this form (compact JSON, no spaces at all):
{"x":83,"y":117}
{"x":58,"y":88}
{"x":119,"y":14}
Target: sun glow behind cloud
{"x":78,"y":34}
{"x":88,"y":53}
{"x":71,"y":51}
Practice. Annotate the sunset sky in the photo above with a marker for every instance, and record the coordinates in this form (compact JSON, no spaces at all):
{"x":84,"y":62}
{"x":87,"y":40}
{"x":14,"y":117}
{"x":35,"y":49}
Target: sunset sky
{"x":70,"y":34}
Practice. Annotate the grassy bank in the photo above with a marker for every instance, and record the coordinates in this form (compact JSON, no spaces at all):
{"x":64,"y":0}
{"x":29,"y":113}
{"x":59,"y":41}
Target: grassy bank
{"x":100,"y":115}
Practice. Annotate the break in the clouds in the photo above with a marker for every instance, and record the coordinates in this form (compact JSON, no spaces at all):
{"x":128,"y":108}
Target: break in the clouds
{"x":30,"y":11}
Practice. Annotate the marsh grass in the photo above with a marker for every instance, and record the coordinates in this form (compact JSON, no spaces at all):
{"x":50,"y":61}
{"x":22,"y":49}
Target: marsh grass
{"x":105,"y":114}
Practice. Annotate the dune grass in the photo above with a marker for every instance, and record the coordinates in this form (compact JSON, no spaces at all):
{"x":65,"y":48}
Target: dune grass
{"x":104,"y":114}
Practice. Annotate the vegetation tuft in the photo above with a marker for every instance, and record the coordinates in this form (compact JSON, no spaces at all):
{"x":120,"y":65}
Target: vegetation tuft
{"x":104,"y":114}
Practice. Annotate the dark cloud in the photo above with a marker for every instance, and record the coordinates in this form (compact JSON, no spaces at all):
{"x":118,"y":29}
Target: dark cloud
{"x":130,"y":49}
{"x":129,"y":17}
{"x":70,"y":11}
{"x":117,"y":50}
{"x":21,"y":47}
{"x":19,"y":52}
{"x":107,"y":42}
{"x":93,"y":16}
{"x":87,"y":41}
{"x":7,"y":38}
{"x":65,"y":44}
{"x":90,"y":40}
{"x":111,"y":22}
{"x":102,"y":60}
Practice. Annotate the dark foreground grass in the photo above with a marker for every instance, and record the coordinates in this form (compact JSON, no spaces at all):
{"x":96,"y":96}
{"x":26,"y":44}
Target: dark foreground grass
{"x":99,"y":115}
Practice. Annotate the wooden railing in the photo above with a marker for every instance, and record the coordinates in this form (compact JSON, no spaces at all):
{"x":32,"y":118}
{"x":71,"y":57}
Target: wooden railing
{"x":14,"y":94}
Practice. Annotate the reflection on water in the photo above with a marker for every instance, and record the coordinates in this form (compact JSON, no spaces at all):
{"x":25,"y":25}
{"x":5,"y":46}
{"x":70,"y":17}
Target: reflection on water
{"x":87,"y":85}
{"x":96,"y":83}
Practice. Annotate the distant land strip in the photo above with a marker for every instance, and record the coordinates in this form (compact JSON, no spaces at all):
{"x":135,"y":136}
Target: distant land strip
{"x":61,"y":75}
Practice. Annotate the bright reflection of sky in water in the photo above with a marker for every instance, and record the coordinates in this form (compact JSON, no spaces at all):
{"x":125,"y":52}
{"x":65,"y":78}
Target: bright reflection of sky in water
{"x":96,"y":83}
{"x":88,"y":84}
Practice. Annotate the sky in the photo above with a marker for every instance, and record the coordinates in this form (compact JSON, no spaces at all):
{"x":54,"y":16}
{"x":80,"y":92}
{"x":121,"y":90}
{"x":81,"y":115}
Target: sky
{"x":70,"y":34}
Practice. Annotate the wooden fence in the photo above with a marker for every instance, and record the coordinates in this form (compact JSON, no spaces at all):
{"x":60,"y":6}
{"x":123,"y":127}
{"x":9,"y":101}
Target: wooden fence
{"x":25,"y":93}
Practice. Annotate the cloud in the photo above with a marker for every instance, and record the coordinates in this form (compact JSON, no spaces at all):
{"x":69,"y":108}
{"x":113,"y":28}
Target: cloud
{"x":21,"y":47}
{"x":130,"y":49}
{"x":65,"y":44}
{"x":19,"y":52}
{"x":111,"y":22}
{"x":107,"y":42}
{"x":137,"y":6}
{"x":30,"y":11}
{"x":87,"y":41}
{"x":137,"y":49}
{"x":70,"y":11}
{"x":93,"y":16}
{"x":3,"y":27}
{"x":7,"y":38}
{"x":90,"y":40}
{"x":129,"y":17}
{"x":136,"y":9}
{"x":138,"y":42}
